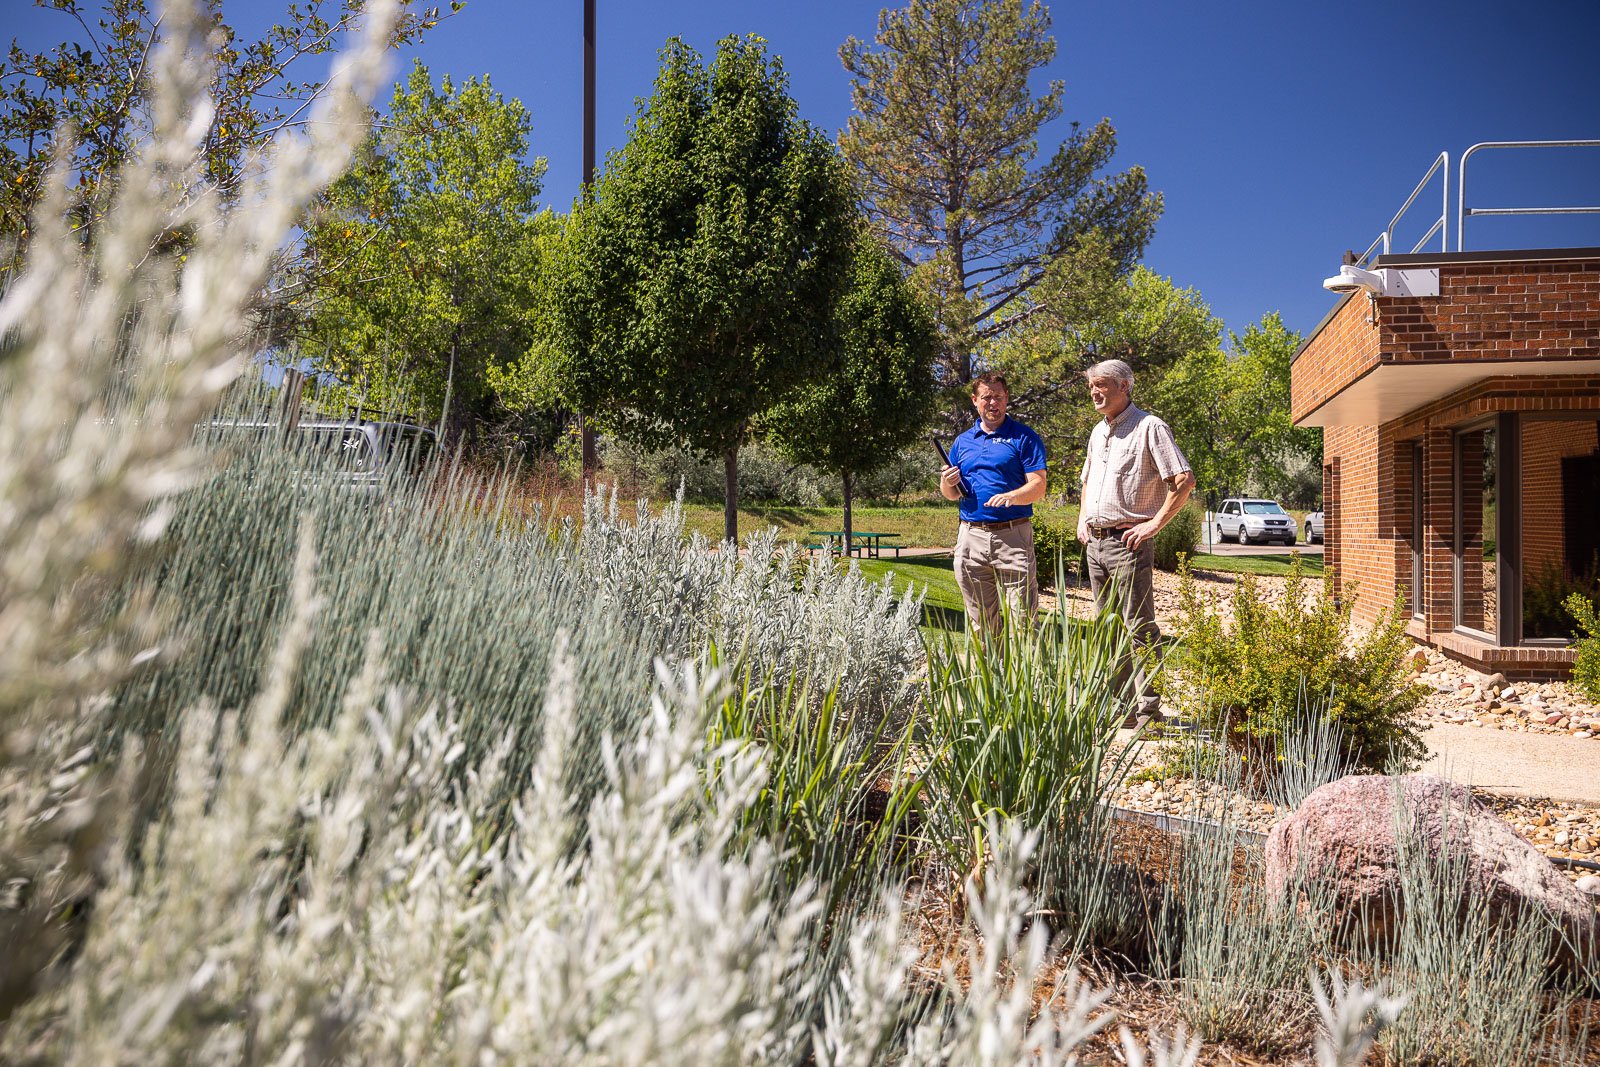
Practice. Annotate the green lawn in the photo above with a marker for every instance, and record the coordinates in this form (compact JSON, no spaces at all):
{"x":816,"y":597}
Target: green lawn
{"x":919,"y":525}
{"x":933,"y":576}
{"x":1274,"y":566}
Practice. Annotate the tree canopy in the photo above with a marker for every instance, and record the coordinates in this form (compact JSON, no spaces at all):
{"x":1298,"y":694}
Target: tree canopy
{"x":696,"y":289}
{"x":943,"y":145}
{"x":425,"y":254}
{"x":96,"y":85}
{"x":853,"y":421}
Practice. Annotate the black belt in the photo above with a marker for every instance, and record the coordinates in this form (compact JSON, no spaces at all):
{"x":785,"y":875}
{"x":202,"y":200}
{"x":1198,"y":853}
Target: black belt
{"x":1006,"y":525}
{"x":1107,"y":531}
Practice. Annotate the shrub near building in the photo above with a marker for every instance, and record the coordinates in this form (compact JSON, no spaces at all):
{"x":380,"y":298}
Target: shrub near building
{"x":1249,"y":680}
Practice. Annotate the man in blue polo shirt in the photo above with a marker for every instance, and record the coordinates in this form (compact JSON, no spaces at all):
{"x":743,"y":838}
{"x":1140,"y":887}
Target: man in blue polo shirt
{"x":997,"y":472}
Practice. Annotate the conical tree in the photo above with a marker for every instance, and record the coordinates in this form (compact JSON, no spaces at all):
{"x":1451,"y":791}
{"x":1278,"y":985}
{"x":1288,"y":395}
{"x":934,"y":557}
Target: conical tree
{"x":943,"y":144}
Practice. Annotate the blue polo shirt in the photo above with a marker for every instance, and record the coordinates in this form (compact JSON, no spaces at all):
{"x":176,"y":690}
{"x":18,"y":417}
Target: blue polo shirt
{"x":996,"y":463}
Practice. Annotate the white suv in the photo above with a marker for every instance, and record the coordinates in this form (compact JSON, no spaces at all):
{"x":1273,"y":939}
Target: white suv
{"x":1249,"y":521}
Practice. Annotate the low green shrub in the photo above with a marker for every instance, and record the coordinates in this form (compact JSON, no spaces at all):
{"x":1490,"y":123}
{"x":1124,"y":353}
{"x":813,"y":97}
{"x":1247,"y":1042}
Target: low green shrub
{"x":1246,"y":681}
{"x":1055,"y":539}
{"x":1178,"y":537}
{"x":1586,"y":669}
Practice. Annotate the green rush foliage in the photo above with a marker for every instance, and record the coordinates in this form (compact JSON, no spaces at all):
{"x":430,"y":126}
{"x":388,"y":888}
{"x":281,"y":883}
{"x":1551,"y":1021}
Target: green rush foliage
{"x":1023,"y":728}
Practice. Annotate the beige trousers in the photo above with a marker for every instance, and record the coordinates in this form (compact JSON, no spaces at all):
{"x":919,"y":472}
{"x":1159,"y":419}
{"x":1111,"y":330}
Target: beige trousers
{"x":995,"y":563}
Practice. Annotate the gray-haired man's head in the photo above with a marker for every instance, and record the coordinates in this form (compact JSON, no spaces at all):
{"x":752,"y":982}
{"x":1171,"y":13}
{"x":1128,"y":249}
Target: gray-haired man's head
{"x":1114,"y":369}
{"x":1110,"y":386}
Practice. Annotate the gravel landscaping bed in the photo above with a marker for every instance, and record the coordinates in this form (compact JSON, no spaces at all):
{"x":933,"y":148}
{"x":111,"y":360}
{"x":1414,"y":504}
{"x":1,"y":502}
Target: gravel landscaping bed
{"x":1461,"y":695}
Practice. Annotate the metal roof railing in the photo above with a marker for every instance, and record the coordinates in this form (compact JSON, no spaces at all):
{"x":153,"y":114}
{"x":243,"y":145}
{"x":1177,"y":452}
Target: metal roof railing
{"x":1383,"y":244}
{"x":1463,"y":212}
{"x":1386,"y":238}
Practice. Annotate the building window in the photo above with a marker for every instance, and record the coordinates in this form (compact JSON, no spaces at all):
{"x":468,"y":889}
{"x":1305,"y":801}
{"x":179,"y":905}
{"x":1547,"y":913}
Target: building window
{"x":1476,"y":594}
{"x":1419,"y":568}
{"x":1560,"y":521}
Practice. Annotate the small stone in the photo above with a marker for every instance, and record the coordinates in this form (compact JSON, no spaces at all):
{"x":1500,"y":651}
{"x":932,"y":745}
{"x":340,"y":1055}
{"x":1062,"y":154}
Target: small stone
{"x":1589,"y":883}
{"x":1495,"y":681}
{"x":1563,"y":722}
{"x":1583,"y":844}
{"x":1508,"y":693}
{"x":1553,"y":718}
{"x":1583,"y":735}
{"x":1562,"y":837}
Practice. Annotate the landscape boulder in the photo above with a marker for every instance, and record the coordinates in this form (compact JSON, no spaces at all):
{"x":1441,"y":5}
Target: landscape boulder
{"x":1343,"y":834}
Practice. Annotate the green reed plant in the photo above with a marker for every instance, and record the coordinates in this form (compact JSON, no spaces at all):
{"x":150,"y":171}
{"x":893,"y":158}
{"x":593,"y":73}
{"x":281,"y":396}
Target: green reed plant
{"x":838,"y":794}
{"x":1022,"y":727}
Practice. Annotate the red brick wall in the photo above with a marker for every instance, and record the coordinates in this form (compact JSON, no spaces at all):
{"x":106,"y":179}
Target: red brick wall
{"x":1359,"y":553}
{"x":1344,"y":349}
{"x":1486,"y":312}
{"x":1498,"y":311}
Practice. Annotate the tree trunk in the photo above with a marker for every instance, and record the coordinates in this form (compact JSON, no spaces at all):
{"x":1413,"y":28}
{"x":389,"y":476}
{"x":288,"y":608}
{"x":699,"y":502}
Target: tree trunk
{"x":589,"y":460}
{"x":849,"y":487}
{"x":730,"y":495}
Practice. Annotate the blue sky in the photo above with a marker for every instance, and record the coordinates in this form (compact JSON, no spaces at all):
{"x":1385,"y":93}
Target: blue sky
{"x":1281,"y":133}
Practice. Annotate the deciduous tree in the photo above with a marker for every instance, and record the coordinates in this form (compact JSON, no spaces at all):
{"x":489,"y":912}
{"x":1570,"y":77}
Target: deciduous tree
{"x":96,"y":86}
{"x":697,"y":288}
{"x":853,"y":421}
{"x":426,"y":254}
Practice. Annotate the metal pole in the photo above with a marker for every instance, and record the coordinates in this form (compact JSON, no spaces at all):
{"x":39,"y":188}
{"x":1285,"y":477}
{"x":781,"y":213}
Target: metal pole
{"x":586,"y":445}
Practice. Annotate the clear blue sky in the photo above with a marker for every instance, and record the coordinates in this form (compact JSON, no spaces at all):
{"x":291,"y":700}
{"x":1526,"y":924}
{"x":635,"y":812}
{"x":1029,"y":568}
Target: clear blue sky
{"x":1282,"y":133}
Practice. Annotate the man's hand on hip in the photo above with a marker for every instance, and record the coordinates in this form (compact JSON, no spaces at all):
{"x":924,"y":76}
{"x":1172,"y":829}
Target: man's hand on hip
{"x":1138,"y":535}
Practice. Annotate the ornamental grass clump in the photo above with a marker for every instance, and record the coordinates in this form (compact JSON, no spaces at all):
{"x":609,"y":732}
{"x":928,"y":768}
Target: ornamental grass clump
{"x":1478,"y":988}
{"x":1023,"y":727}
{"x":1245,"y":680}
{"x":1237,"y":958}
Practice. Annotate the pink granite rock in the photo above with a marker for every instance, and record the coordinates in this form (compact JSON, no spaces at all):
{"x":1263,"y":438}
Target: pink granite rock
{"x":1346,"y":831}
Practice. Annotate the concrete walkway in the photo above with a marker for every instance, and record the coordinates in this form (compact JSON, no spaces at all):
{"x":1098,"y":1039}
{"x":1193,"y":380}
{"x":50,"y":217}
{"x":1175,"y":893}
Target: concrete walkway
{"x":1519,"y":764}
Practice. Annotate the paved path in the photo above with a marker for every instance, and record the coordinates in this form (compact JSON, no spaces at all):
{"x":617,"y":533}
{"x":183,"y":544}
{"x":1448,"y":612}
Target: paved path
{"x":1543,"y":765}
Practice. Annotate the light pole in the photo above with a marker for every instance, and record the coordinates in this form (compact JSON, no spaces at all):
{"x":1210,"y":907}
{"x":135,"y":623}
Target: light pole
{"x":588,"y":460}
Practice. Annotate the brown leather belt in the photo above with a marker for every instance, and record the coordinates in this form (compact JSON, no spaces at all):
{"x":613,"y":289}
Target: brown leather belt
{"x":1006,"y":525}
{"x":1107,"y":531}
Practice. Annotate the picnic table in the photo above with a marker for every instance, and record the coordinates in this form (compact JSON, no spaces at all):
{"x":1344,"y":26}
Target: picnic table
{"x":866,"y":542}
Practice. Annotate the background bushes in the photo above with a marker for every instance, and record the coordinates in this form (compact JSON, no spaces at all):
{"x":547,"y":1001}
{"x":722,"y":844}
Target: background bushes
{"x":1179,"y":536}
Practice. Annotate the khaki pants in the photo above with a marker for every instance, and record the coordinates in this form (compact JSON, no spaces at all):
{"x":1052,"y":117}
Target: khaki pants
{"x":1123,"y":578}
{"x":992,"y":563}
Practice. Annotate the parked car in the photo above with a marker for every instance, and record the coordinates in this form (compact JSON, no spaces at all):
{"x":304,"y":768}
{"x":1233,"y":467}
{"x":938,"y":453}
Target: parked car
{"x":1314,"y":527}
{"x":1250,"y":521}
{"x":362,"y":454}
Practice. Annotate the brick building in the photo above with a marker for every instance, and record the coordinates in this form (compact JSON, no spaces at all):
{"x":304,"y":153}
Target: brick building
{"x":1460,"y":398}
